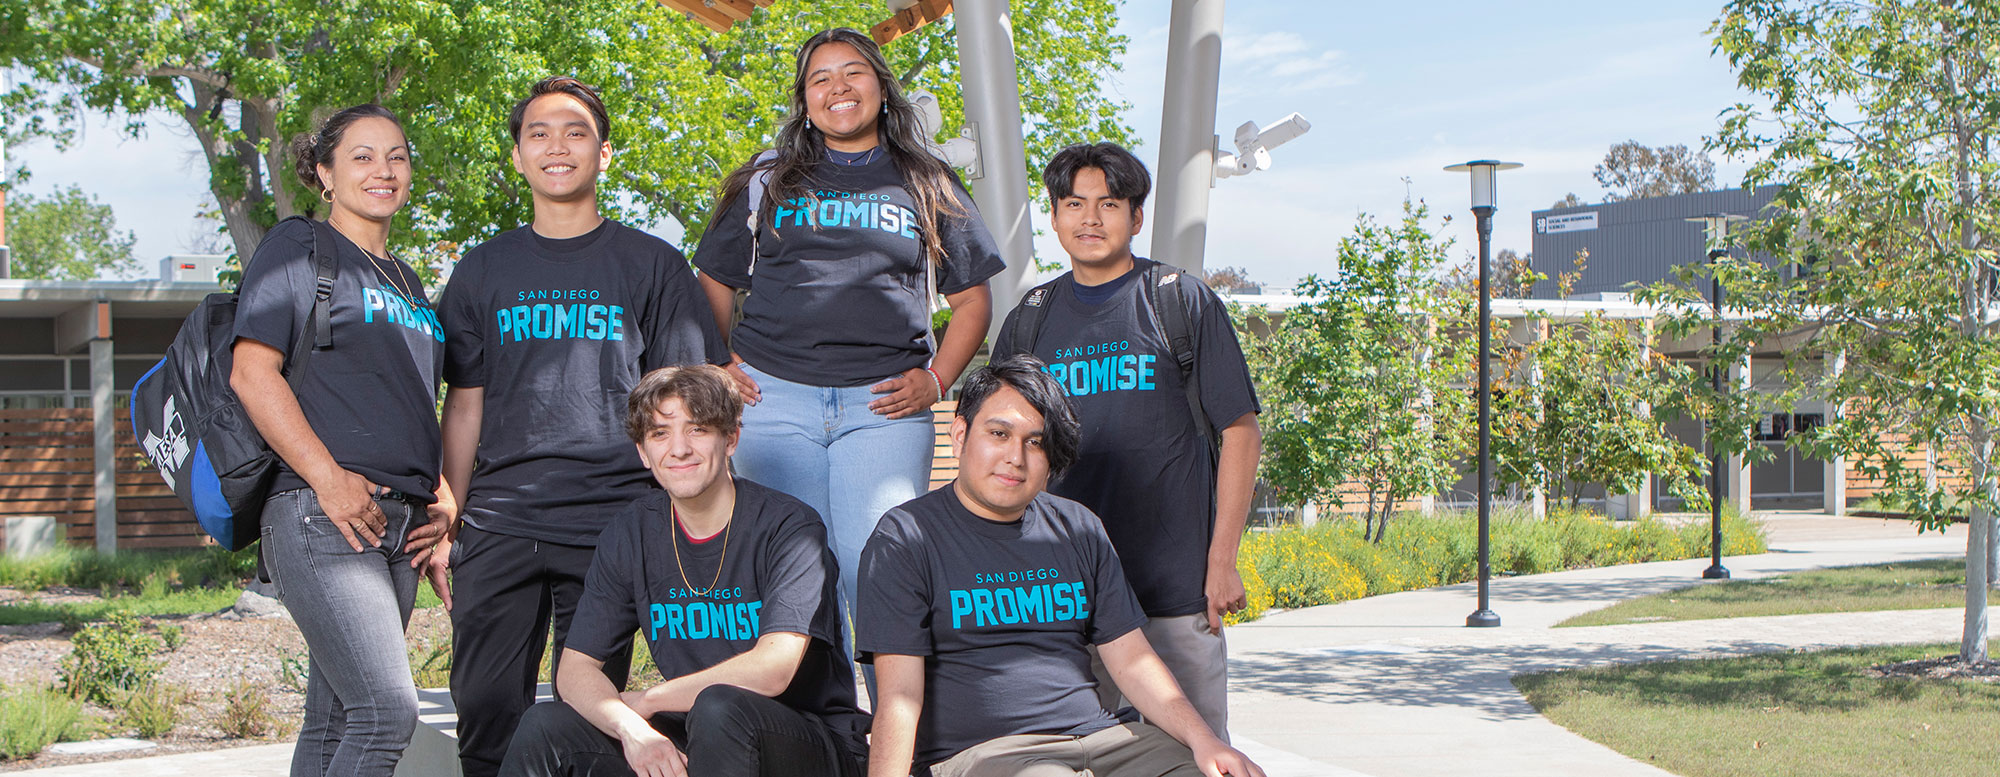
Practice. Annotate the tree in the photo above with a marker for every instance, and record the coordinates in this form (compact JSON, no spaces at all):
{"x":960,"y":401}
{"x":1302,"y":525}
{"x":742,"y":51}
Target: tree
{"x":1879,"y":120}
{"x":687,"y":105}
{"x":1357,"y":383}
{"x":66,"y":236}
{"x":1226,"y":279}
{"x":1631,"y":171}
{"x":1586,"y":416}
{"x":1569,"y":200}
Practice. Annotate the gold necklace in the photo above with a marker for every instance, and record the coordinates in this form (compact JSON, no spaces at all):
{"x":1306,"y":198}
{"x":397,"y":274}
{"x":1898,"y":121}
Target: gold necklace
{"x":377,"y":264}
{"x":683,"y":568}
{"x":389,"y":276}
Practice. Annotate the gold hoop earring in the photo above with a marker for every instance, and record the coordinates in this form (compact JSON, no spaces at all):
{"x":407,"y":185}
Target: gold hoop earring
{"x":326,"y":195}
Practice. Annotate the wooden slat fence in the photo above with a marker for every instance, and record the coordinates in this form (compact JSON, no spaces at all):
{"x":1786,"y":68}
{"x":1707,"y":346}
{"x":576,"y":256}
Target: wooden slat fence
{"x":46,"y":462}
{"x":944,"y":466}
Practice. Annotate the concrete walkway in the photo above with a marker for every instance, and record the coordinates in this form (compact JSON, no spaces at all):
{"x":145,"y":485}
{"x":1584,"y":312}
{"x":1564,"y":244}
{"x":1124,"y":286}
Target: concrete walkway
{"x":1396,"y":686}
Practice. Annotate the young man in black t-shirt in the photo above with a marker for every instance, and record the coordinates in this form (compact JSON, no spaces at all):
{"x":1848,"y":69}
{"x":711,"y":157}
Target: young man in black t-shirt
{"x":547,"y":327}
{"x":1173,"y":502}
{"x":980,"y":603}
{"x":731,"y":585}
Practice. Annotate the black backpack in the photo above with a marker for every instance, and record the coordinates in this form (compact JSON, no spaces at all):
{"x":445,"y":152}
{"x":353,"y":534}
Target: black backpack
{"x":193,"y":428}
{"x":1163,"y":284}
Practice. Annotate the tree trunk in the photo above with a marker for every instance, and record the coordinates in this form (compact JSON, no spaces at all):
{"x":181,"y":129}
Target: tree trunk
{"x":1382,"y":522}
{"x":235,"y":182}
{"x":1368,"y":516}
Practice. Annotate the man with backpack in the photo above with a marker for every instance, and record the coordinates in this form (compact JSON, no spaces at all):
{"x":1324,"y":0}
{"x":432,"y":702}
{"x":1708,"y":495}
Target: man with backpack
{"x":548,"y":328}
{"x":1170,"y":435}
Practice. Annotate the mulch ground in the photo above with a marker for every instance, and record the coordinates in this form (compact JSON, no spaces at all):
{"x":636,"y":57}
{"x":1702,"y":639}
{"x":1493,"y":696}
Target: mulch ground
{"x":1942,"y":668}
{"x":220,"y":651}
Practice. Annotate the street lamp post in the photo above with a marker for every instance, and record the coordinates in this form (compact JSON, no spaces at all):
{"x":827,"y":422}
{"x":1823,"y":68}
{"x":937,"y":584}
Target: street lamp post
{"x":1483,"y":194}
{"x":1716,"y":230}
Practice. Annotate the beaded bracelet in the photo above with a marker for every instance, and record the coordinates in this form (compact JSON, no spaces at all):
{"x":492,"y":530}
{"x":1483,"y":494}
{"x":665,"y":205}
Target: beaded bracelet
{"x":939,"y":381}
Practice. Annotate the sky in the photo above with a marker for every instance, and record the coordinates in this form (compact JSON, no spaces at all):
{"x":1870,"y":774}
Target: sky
{"x":1394,"y":91}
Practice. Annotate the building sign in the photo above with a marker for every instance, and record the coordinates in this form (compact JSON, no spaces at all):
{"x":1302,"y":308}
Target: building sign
{"x":1574,"y":222}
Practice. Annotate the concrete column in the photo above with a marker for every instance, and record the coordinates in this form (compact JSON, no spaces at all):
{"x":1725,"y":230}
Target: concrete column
{"x":1186,"y":168}
{"x":1639,"y":503}
{"x":993,"y":108}
{"x":1427,"y":503}
{"x":1736,"y":472}
{"x":1528,"y":332}
{"x":104,"y":430}
{"x":1836,"y":467}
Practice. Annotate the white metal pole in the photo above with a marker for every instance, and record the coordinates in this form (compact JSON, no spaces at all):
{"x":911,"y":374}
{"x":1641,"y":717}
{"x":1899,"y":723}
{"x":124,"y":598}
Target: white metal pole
{"x":993,"y":107}
{"x":1186,"y":168}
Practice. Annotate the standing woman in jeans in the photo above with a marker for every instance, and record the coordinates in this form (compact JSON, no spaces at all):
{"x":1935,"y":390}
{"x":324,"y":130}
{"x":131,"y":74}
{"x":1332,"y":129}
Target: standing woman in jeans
{"x":857,"y":220}
{"x":347,"y":521}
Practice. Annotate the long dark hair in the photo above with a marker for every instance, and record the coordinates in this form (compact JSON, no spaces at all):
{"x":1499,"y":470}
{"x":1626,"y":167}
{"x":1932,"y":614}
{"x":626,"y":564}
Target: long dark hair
{"x":802,"y":147}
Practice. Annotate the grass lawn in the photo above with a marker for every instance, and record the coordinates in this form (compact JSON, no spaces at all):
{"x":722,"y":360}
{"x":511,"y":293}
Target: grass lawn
{"x":1805,"y":714}
{"x":1907,"y":585}
{"x":151,"y":600}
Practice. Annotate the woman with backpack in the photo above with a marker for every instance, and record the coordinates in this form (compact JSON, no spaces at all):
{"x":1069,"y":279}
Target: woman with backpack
{"x":353,"y":510}
{"x":857,"y":226}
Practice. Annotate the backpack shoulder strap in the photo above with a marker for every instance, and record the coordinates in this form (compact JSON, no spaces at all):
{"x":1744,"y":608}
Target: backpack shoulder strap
{"x":1164,"y":283}
{"x":1026,"y":331}
{"x":318,"y":332}
{"x":754,"y":190}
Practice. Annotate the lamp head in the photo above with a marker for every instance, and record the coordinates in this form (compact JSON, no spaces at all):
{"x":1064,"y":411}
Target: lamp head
{"x":1484,"y":186}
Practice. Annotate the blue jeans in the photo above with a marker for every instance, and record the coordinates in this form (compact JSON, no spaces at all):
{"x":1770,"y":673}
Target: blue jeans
{"x":825,"y":447}
{"x":361,"y":705}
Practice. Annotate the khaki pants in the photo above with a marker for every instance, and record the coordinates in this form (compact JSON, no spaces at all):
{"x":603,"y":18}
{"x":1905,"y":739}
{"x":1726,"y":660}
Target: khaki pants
{"x":1125,"y":749}
{"x":1198,"y":660}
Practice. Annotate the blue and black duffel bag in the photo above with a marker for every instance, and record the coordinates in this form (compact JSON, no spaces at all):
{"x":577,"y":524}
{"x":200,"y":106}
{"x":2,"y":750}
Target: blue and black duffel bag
{"x":193,"y":429}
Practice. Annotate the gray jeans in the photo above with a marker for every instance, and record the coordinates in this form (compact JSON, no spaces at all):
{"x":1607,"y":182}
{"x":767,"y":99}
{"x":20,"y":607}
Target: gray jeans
{"x":361,"y":705}
{"x":1198,"y":659}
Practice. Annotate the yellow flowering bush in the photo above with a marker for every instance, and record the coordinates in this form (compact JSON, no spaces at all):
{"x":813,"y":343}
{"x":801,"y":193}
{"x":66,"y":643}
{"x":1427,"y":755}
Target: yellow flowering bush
{"x":1330,"y":562}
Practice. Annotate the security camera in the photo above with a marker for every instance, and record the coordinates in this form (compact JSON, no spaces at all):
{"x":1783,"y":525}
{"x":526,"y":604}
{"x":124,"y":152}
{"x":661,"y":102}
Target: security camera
{"x":1253,"y":146}
{"x":961,"y":152}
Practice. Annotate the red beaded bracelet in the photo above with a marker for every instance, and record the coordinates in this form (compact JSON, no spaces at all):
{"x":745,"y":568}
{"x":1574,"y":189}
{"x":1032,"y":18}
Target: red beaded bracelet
{"x":939,"y":381}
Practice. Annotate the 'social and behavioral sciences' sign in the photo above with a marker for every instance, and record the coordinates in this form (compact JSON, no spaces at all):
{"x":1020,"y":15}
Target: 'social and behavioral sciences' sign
{"x":1574,"y":222}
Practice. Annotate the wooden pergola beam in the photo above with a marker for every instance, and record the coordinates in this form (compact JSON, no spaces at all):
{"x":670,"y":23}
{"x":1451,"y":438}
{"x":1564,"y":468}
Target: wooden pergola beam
{"x":909,"y":20}
{"x":717,"y":15}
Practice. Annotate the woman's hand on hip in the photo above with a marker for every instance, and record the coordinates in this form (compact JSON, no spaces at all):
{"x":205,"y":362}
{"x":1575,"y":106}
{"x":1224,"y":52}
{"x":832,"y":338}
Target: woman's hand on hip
{"x":744,"y":384}
{"x":349,"y":502}
{"x":910,"y":393}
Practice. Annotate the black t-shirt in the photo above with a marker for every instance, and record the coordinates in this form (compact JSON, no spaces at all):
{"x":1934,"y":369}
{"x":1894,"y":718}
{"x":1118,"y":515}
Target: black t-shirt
{"x":558,"y":332}
{"x":372,"y":397}
{"x":1143,"y":466}
{"x":1002,"y":612}
{"x":837,"y":296}
{"x":771,"y":573}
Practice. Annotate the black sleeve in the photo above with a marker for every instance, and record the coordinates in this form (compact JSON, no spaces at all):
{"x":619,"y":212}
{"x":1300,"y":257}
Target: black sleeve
{"x":970,"y":254}
{"x":1003,"y":342}
{"x":681,"y":329}
{"x":1116,"y":611}
{"x":793,"y":576}
{"x":1227,"y":391}
{"x":277,"y":291}
{"x":893,"y":614}
{"x":464,"y":325}
{"x":724,"y":250}
{"x":606,"y":615}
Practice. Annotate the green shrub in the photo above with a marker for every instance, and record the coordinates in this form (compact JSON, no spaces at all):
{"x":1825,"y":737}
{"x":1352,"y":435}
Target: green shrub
{"x":109,"y":657}
{"x":73,"y":567}
{"x":246,"y":712}
{"x":172,"y":636}
{"x":1330,"y":562}
{"x":152,"y":708}
{"x":34,"y":718}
